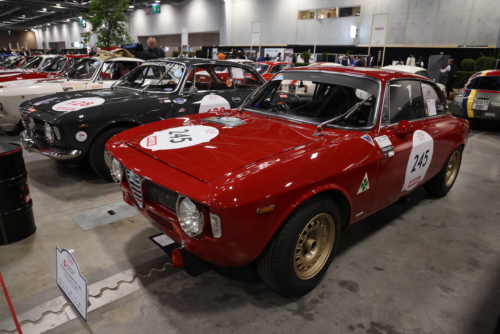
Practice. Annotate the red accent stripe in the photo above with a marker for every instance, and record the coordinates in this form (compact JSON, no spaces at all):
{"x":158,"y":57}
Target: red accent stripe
{"x":12,"y":312}
{"x":10,"y":152}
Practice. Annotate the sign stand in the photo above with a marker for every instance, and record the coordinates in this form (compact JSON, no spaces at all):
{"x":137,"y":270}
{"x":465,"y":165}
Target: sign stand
{"x":11,"y":307}
{"x":71,"y":281}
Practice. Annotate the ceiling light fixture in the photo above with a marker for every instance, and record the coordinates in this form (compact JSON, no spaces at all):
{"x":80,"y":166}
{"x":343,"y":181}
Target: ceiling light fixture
{"x":130,"y":6}
{"x":157,"y":1}
{"x":80,"y":17}
{"x":44,"y":9}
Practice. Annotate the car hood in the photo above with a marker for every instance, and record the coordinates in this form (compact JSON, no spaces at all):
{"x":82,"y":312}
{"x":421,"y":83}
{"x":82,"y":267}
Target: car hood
{"x":15,"y":76}
{"x":99,"y":98}
{"x":231,"y":148}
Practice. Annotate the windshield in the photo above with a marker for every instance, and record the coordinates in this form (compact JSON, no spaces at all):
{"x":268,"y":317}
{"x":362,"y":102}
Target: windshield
{"x":84,"y":70}
{"x":32,"y":63}
{"x":423,"y":73}
{"x":261,"y":68}
{"x":12,"y":62}
{"x":315,"y":97}
{"x":56,"y":64}
{"x":156,"y":76}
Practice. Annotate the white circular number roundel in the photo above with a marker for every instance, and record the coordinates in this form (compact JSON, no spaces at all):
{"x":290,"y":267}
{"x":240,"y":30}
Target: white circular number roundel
{"x":420,"y":159}
{"x":180,"y":137}
{"x":214,"y":103}
{"x":77,"y":104}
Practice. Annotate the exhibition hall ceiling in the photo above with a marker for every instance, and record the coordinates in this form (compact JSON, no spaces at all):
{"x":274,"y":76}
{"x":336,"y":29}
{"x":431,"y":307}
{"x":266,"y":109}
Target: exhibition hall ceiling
{"x":28,"y":14}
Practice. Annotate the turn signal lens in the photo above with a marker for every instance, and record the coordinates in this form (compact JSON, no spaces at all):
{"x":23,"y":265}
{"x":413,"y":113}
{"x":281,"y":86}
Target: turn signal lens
{"x":216,"y":226}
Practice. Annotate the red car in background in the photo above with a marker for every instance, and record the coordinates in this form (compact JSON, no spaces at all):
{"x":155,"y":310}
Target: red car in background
{"x":277,"y":180}
{"x":55,"y":67}
{"x":269,"y":68}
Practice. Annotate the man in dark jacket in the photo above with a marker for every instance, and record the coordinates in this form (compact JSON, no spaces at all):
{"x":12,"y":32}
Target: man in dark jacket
{"x":360,"y":62}
{"x":154,"y":51}
{"x":452,"y":76}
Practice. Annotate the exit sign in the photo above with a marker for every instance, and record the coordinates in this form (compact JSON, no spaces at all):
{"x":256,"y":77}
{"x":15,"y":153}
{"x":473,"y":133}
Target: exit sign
{"x":156,"y":8}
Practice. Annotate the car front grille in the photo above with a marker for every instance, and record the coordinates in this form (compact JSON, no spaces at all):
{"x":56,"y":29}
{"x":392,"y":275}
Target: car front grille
{"x":135,"y":181}
{"x":161,"y":221}
{"x":163,"y":196}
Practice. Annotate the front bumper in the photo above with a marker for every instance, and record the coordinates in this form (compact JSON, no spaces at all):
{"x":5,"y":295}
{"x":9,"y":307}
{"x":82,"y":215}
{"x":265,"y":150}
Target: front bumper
{"x":31,"y":144}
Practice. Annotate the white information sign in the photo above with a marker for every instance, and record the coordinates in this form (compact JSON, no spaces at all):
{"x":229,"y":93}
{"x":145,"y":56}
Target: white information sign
{"x":256,"y":33}
{"x":420,"y":159}
{"x":379,"y":29}
{"x":237,"y":73}
{"x":163,"y":240}
{"x":431,"y":107}
{"x":180,"y":137}
{"x":184,"y":36}
{"x":77,"y":104}
{"x":214,"y":103}
{"x":71,"y":281}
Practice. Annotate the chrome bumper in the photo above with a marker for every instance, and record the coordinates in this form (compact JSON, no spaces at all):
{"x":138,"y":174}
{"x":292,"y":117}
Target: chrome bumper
{"x":31,"y":144}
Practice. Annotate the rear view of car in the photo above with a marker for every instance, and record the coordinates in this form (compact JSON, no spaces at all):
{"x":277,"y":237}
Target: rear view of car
{"x":480,"y":98}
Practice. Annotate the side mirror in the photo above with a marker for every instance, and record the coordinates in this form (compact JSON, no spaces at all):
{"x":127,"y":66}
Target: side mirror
{"x":404,"y":128}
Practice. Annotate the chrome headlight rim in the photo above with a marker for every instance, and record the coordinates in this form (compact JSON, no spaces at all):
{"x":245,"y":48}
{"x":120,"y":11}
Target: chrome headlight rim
{"x":192,"y":230}
{"x":115,"y":167}
{"x":49,"y":132}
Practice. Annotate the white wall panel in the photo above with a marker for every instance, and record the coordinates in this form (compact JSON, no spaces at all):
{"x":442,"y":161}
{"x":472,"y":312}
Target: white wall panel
{"x":420,"y":27}
{"x":484,"y":25}
{"x":65,"y":32}
{"x":451,"y":27}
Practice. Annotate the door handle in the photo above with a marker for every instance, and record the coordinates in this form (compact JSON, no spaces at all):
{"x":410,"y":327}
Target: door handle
{"x":237,"y":99}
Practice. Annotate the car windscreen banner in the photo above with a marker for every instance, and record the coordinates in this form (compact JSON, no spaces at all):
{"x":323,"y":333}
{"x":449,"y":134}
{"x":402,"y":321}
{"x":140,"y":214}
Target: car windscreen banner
{"x":435,"y":63}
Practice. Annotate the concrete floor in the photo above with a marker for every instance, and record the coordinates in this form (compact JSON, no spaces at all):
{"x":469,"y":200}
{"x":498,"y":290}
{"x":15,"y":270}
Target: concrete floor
{"x":432,"y":266}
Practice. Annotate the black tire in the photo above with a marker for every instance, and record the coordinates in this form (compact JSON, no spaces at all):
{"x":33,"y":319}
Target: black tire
{"x":96,"y":152}
{"x":441,"y":184}
{"x":280,"y":263}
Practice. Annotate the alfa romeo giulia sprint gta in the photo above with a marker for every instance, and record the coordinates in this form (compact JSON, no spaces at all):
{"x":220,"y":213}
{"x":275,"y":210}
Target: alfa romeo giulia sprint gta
{"x":277,"y":180}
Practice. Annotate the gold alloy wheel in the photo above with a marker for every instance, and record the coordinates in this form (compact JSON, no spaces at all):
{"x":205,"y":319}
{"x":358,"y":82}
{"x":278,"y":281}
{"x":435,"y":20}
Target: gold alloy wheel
{"x":452,"y":168}
{"x":314,"y":246}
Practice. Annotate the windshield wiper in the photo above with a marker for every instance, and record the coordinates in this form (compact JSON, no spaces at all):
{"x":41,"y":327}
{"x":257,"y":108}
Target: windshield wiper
{"x":347,"y":114}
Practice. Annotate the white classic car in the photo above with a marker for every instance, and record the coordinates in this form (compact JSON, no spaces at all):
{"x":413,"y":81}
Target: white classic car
{"x":36,"y":63}
{"x":87,"y":74}
{"x":415,"y":70}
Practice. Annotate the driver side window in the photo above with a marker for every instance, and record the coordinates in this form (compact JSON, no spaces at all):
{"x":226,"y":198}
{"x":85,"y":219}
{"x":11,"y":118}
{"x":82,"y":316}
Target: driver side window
{"x":405,"y":101}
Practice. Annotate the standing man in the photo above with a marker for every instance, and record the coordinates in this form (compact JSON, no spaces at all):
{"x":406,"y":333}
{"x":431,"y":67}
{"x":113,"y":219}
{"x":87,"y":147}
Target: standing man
{"x":360,"y":62}
{"x":24,"y":52}
{"x":452,"y":76}
{"x":154,"y":51}
{"x":420,"y":62}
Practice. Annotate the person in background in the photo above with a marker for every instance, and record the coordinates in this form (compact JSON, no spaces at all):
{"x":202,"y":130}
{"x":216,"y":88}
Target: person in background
{"x":267,"y":58}
{"x":339,"y":59}
{"x":221,"y":56}
{"x":452,"y":75}
{"x":24,"y":52}
{"x":420,"y":62}
{"x":346,"y":60}
{"x":93,"y":51}
{"x":153,"y":50}
{"x":261,"y":58}
{"x":400,"y":62}
{"x":48,"y":51}
{"x":278,"y":57}
{"x":360,"y":62}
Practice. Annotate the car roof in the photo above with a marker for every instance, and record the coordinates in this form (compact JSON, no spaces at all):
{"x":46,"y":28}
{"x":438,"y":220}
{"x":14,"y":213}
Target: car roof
{"x":120,"y":59}
{"x":488,"y":73}
{"x":274,"y":62}
{"x":76,"y":56}
{"x":404,"y":68}
{"x":380,"y":74}
{"x":200,"y":61}
{"x":322,"y":64}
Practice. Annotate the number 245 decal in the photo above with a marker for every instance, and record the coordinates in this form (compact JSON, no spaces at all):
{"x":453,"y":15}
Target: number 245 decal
{"x":419,"y":161}
{"x":179,"y":136}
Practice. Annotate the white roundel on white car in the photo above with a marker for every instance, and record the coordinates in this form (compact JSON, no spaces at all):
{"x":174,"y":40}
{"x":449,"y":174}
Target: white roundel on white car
{"x":77,"y":104}
{"x":214,"y":103}
{"x":180,"y":137}
{"x":420,"y":159}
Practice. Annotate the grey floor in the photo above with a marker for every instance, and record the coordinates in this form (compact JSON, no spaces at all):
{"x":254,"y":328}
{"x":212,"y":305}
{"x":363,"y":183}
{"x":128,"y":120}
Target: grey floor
{"x":431,"y":266}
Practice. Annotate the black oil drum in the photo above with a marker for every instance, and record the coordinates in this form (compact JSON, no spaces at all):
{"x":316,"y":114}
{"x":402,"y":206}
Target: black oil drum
{"x":16,"y":207}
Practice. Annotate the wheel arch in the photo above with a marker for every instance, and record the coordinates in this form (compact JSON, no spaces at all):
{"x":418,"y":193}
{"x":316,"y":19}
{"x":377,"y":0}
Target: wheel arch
{"x":110,"y":125}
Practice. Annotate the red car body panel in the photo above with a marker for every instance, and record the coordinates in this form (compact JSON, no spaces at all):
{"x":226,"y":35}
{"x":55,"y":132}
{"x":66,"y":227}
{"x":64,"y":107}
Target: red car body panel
{"x":268,"y":75}
{"x":36,"y":74}
{"x":274,"y":161}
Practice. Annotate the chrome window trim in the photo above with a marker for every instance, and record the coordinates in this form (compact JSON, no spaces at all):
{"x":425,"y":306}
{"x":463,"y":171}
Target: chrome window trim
{"x":365,"y":128}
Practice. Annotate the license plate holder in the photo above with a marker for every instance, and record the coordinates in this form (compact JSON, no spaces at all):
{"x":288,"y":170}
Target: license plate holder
{"x":481,"y":104}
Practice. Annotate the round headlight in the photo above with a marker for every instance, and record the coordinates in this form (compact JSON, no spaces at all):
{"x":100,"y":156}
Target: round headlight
{"x":190,"y":218}
{"x":116,"y":170}
{"x":49,"y":132}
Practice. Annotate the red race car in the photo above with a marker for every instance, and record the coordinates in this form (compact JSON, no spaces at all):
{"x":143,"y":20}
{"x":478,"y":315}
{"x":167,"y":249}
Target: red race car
{"x":269,"y":68}
{"x":278,"y":180}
